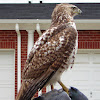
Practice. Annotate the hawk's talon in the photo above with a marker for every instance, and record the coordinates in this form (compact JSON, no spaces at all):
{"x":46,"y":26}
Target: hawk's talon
{"x":64,"y":87}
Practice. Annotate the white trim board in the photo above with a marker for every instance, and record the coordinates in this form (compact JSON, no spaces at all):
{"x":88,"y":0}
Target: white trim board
{"x":7,"y":49}
{"x":30,"y":24}
{"x":46,"y":21}
{"x":88,"y":50}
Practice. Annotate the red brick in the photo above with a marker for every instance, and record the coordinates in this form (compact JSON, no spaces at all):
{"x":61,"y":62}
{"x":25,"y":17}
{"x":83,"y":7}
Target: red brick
{"x":44,"y":90}
{"x":90,"y":39}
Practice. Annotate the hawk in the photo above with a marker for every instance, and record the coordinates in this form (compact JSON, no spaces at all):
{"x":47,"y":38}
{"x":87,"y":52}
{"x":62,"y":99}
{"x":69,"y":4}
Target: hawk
{"x":52,"y":53}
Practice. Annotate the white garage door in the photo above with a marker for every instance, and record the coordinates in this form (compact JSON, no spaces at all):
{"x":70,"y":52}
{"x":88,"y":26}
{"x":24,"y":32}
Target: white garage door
{"x":85,"y":74}
{"x":7,"y":75}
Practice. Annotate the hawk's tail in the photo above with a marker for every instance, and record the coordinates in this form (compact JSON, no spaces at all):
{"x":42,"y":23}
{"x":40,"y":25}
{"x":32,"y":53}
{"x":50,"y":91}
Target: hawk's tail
{"x":21,"y":94}
{"x":29,"y":88}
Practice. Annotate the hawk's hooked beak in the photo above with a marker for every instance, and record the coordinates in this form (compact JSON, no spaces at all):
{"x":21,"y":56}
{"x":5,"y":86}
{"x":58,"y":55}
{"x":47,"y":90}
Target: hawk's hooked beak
{"x":79,"y":11}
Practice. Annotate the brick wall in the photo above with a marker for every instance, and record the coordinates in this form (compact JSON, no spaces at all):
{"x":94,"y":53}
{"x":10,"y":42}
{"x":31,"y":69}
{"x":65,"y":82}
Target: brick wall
{"x":89,"y":39}
{"x":8,"y":40}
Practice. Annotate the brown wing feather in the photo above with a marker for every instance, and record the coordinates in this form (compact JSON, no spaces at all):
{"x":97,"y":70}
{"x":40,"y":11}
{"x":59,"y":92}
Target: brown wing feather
{"x":47,"y":54}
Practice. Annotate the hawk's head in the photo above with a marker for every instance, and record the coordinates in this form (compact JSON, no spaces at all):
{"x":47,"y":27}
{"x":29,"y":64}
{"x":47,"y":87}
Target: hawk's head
{"x":64,"y":11}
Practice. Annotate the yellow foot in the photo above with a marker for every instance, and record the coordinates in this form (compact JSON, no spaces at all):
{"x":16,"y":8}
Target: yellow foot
{"x":64,"y":87}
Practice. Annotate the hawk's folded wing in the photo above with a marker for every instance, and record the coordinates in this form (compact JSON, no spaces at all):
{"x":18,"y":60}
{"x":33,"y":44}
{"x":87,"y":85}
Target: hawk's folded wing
{"x":45,"y":59}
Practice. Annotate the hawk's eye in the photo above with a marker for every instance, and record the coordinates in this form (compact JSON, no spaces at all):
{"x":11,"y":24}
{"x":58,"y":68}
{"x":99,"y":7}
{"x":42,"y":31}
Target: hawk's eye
{"x":73,"y":8}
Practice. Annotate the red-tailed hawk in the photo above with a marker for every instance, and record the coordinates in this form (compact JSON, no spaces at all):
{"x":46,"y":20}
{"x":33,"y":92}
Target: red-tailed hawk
{"x":52,"y":53}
